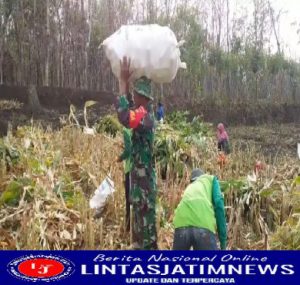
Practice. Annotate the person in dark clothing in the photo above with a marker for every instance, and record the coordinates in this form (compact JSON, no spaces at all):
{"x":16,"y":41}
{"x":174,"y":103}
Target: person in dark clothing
{"x":160,"y":113}
{"x":143,"y":187}
{"x":223,"y":139}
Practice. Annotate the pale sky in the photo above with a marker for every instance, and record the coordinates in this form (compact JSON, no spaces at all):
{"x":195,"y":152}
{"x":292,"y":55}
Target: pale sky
{"x":289,"y":39}
{"x":290,"y":13}
{"x":288,"y":33}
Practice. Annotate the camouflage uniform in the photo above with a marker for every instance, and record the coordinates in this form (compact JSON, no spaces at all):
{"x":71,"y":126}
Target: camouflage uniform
{"x":143,"y":177}
{"x":126,"y":157}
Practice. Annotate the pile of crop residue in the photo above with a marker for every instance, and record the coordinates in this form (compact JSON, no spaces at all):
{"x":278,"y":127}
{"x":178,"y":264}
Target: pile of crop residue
{"x":47,"y":178}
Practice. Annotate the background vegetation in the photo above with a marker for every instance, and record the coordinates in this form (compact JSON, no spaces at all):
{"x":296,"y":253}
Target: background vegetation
{"x":47,"y":178}
{"x":228,"y":53}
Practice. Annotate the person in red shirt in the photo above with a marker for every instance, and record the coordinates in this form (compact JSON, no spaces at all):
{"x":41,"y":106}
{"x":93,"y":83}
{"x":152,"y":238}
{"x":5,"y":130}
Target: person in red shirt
{"x":223,"y":139}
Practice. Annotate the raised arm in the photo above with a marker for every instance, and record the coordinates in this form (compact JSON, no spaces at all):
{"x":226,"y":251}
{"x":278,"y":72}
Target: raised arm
{"x":122,"y":102}
{"x":140,"y":118}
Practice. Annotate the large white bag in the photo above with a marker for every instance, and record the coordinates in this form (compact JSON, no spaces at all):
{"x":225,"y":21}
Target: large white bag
{"x":153,"y":50}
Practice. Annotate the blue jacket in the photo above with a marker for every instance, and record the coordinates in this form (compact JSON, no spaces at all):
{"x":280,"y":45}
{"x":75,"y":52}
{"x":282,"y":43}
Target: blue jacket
{"x":160,"y":114}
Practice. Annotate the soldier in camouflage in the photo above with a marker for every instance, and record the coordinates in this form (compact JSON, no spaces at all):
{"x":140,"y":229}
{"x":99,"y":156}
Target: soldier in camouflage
{"x":143,"y":177}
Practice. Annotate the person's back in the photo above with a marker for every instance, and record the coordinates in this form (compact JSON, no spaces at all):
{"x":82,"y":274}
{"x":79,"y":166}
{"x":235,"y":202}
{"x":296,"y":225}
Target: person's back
{"x":196,"y":200}
{"x":199,"y":213}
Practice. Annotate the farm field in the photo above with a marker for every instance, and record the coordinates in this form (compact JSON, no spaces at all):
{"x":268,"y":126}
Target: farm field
{"x":201,"y":63}
{"x":48,"y":176}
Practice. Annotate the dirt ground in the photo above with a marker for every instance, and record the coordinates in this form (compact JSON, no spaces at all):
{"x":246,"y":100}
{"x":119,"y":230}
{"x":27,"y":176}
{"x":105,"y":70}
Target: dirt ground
{"x":229,"y":112}
{"x":52,"y":118}
{"x":273,"y":140}
{"x":55,"y":103}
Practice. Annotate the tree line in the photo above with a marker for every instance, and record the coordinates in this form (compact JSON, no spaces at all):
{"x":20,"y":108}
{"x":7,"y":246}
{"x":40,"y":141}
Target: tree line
{"x":229,"y":56}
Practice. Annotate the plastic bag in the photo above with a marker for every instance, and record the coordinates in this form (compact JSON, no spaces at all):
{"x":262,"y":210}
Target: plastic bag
{"x":89,"y":131}
{"x":153,"y":50}
{"x":101,"y":194}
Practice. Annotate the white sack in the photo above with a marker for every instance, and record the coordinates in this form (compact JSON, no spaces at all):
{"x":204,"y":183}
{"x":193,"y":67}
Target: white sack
{"x":101,"y":194}
{"x":153,"y":50}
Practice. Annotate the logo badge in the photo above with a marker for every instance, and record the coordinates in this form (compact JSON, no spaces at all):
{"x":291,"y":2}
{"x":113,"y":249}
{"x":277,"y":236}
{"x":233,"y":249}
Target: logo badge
{"x":41,"y":268}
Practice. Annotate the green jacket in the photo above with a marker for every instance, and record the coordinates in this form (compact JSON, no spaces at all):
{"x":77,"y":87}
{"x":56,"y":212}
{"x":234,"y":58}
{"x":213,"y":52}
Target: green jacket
{"x":127,"y":153}
{"x":202,"y":206}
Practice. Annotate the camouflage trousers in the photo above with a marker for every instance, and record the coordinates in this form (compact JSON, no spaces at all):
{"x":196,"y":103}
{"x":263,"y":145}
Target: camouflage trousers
{"x":143,"y":197}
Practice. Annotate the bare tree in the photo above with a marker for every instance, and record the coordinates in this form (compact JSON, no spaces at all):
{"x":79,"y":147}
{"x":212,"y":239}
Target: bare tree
{"x":275,"y":20}
{"x":55,"y":43}
{"x":47,"y":44}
